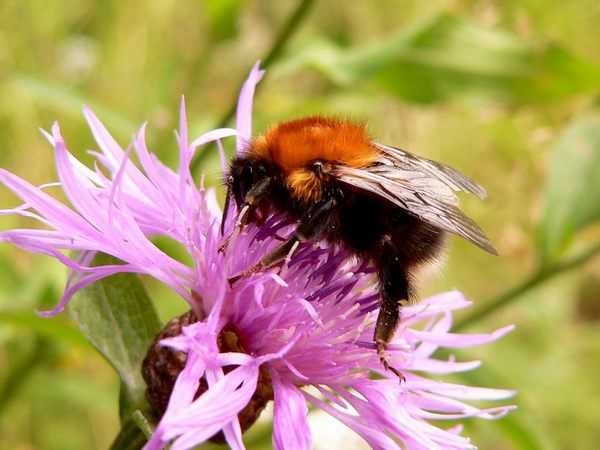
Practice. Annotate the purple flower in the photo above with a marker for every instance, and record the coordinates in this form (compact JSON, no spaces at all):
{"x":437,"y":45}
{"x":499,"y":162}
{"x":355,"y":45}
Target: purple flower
{"x":308,"y":325}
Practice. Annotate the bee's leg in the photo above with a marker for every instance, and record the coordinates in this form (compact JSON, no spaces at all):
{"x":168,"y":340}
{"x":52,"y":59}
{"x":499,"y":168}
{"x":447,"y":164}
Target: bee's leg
{"x":252,"y":198}
{"x":395,"y":291}
{"x":312,"y":224}
{"x":228,"y":195}
{"x":276,"y":256}
{"x":242,"y":220}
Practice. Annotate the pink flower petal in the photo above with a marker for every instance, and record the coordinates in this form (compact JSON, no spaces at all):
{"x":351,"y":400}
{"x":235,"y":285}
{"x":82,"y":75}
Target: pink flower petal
{"x":375,"y":437}
{"x":452,"y":340}
{"x":290,"y":425}
{"x":243,"y":118}
{"x":232,"y":431}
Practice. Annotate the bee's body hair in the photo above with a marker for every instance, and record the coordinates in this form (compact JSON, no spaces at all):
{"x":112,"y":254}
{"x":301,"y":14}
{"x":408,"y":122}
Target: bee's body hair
{"x":387,"y":206}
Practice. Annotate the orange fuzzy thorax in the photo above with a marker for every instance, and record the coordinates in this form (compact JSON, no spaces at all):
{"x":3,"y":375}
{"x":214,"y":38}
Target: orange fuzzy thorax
{"x":294,"y":145}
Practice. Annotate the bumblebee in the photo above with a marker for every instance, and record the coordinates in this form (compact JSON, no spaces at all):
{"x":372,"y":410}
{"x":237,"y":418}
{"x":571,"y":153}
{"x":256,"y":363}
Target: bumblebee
{"x":384,"y":204}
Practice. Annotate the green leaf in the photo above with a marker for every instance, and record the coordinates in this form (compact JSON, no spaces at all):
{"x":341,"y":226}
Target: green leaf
{"x":118,"y":318}
{"x":449,"y":57}
{"x":572,"y":192}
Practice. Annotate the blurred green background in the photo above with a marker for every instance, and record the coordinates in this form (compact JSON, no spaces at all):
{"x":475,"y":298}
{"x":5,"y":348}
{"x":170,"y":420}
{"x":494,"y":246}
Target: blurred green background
{"x":505,"y":90}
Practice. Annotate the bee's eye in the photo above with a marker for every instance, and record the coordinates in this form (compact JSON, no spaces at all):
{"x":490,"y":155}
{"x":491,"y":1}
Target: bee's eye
{"x":247,"y":174}
{"x":317,"y":166}
{"x":261,"y":169}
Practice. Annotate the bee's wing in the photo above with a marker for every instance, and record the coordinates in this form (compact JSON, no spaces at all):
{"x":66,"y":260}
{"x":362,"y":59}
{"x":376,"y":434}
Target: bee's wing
{"x":422,"y":187}
{"x":447,"y":175}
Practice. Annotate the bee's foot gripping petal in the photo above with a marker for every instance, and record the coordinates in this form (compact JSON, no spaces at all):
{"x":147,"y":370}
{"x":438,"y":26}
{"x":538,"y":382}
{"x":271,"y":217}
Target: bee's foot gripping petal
{"x":384,"y":359}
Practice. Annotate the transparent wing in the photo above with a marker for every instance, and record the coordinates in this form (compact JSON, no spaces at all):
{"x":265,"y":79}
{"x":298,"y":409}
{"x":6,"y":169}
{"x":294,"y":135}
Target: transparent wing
{"x":424,"y":188}
{"x":452,"y":178}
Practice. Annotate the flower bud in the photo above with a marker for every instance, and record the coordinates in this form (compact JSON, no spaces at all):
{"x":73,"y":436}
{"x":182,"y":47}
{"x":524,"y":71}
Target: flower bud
{"x":162,"y":365}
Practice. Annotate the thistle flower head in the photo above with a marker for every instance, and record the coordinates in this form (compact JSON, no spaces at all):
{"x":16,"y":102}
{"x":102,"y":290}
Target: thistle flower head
{"x":305,"y":329}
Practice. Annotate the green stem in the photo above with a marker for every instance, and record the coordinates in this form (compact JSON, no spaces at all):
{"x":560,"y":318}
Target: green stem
{"x":135,"y":431}
{"x":130,"y":437}
{"x":285,"y":33}
{"x":143,"y":423}
{"x":539,"y":277}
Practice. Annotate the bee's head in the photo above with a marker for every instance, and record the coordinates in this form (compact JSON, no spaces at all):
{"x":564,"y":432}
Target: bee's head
{"x":244,"y":174}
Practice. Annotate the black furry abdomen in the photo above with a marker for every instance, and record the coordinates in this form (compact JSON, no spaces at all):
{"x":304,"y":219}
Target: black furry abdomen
{"x":368,"y":224}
